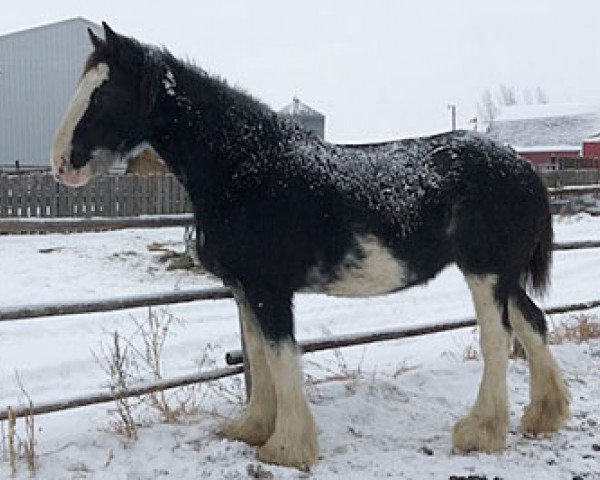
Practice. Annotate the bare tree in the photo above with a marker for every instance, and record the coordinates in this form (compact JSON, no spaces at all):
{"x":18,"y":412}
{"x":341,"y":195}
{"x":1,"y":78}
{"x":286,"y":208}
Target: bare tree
{"x":489,"y":106}
{"x":486,"y":108}
{"x":541,"y":96}
{"x":507,"y":95}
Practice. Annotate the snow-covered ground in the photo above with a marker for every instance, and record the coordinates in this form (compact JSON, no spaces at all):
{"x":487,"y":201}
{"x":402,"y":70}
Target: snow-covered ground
{"x":391,"y":417}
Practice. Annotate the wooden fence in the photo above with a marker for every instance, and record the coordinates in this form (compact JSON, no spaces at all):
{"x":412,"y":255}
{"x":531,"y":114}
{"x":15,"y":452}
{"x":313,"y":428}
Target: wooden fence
{"x":561,"y":199}
{"x":559,"y":178}
{"x":39,"y":195}
{"x":578,"y":163}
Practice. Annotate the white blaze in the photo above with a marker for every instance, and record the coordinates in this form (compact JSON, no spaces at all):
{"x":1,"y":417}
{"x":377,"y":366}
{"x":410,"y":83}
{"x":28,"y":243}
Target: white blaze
{"x":61,"y":150}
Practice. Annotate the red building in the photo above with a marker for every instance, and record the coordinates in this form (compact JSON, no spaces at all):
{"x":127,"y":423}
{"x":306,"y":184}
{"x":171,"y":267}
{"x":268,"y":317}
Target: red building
{"x":545,"y":133}
{"x":591,"y":147}
{"x":546,"y":155}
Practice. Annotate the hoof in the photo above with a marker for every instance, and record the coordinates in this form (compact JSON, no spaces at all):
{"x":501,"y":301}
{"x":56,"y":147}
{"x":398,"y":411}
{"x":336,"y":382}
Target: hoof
{"x":473,"y":434}
{"x":545,"y":416}
{"x":245,"y":429}
{"x":281,"y":451}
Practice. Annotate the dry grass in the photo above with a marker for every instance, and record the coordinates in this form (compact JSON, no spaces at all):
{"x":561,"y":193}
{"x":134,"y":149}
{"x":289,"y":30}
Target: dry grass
{"x":115,"y":362}
{"x":18,"y":446}
{"x":340,"y":370}
{"x":28,"y":443}
{"x":147,"y":362}
{"x":139,"y":358}
{"x":576,"y":329}
{"x":471,"y":353}
{"x":12,"y":443}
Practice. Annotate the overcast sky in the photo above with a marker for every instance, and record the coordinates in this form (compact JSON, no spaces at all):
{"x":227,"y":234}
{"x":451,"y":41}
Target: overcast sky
{"x":376,"y":69}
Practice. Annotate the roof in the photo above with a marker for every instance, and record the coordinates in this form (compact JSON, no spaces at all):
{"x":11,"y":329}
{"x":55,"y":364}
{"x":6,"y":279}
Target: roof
{"x":549,"y":148}
{"x":593,"y":138}
{"x":546,"y":125}
{"x":297,"y":108}
{"x":51,"y":25}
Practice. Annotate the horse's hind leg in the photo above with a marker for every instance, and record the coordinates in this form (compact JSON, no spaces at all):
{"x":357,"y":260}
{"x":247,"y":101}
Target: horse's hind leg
{"x":548,"y":409}
{"x":257,"y":423}
{"x":485,"y":427}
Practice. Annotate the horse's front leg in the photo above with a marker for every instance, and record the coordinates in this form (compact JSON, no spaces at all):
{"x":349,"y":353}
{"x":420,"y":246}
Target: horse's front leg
{"x":294,"y":439}
{"x":257,"y":423}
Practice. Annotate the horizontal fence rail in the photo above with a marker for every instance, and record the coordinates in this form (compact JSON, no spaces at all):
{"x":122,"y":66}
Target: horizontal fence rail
{"x":64,"y":225}
{"x":581,"y":245}
{"x":112,"y":304}
{"x":573,"y":190}
{"x":235,"y":357}
{"x":109,"y":396}
{"x":164,"y":298}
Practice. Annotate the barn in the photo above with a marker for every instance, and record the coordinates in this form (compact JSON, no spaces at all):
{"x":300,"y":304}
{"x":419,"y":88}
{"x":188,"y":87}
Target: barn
{"x":544,"y":133}
{"x":591,"y":147}
{"x":39,"y":70}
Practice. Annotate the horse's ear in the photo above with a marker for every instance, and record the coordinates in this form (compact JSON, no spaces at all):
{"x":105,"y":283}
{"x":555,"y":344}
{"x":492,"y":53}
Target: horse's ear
{"x":112,"y":38}
{"x":97,"y":42}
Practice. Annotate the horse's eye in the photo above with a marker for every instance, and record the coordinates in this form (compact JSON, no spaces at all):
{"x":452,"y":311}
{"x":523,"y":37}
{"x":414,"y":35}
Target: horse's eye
{"x":97,"y":98}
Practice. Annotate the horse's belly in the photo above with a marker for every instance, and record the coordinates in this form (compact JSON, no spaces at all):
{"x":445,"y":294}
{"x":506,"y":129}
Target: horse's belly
{"x":375,"y":271}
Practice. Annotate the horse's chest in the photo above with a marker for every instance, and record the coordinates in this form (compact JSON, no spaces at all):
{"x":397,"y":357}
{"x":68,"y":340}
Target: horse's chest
{"x":371,"y":271}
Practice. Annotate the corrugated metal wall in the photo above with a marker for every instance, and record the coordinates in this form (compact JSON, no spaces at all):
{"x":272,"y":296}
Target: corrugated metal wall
{"x":39,"y":70}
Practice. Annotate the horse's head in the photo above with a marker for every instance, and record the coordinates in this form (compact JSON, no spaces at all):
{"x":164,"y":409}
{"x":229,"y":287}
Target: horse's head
{"x":107,"y":117}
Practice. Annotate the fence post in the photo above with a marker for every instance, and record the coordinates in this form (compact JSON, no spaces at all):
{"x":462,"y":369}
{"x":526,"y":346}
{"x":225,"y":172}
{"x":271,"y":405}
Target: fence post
{"x":247,"y":373}
{"x":238,"y":297}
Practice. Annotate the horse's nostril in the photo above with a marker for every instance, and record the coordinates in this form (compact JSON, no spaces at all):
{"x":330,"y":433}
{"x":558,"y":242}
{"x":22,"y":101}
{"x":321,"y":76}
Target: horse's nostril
{"x":61,"y":170}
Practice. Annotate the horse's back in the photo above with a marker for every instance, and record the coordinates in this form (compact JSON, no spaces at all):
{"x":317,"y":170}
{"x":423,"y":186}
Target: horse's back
{"x":410,"y":207}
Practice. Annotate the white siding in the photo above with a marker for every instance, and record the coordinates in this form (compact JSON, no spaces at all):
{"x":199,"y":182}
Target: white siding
{"x":39,"y":70}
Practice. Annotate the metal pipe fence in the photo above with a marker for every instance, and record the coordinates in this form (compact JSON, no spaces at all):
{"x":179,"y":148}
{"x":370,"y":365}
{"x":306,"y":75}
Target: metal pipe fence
{"x":233,"y":357}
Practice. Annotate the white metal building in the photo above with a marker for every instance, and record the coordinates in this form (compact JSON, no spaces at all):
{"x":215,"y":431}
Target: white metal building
{"x":39,"y":71}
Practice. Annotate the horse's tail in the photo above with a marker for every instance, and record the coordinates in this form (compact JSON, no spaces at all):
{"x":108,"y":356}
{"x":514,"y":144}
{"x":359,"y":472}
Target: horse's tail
{"x":537,"y":273}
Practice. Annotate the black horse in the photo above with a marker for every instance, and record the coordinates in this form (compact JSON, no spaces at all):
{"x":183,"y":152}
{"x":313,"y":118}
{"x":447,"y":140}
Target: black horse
{"x":280,"y":210}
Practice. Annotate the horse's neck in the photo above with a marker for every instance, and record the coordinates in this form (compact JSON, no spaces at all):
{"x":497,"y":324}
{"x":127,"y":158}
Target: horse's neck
{"x":204,"y":130}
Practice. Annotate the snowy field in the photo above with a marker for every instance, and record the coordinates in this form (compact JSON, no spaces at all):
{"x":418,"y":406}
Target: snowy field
{"x":384,"y":411}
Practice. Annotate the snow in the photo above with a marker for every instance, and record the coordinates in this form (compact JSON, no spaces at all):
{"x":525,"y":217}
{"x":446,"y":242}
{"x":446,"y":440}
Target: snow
{"x":547,"y":125}
{"x":169,"y":83}
{"x":406,"y":180}
{"x":548,"y":110}
{"x":549,"y":148}
{"x":391,"y":420}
